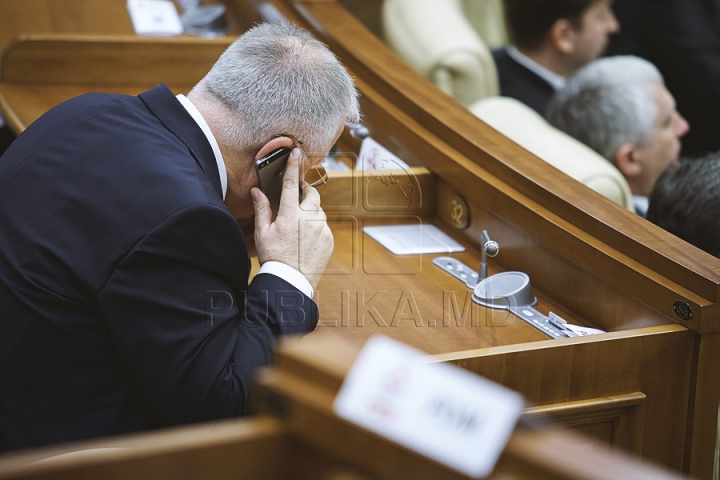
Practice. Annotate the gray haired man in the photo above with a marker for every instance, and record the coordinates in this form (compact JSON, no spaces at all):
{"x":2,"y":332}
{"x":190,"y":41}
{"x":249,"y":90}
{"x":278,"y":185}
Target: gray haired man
{"x":127,"y":299}
{"x":619,"y":107}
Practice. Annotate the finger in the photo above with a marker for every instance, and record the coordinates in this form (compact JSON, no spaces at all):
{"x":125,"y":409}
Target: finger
{"x":263,"y":212}
{"x":291,"y":181}
{"x":310,"y":197}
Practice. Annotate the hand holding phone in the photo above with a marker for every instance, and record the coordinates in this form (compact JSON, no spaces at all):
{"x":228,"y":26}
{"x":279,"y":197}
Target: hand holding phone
{"x":300,"y":237}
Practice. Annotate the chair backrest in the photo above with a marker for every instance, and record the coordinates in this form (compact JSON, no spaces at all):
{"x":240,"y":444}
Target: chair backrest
{"x":525,"y":127}
{"x":488,"y":19}
{"x":437,"y":39}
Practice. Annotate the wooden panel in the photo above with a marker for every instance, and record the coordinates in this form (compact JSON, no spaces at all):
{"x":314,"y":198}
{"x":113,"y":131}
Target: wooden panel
{"x":617,"y":420}
{"x":378,"y":193}
{"x":704,"y":425}
{"x":303,"y":385}
{"x":25,"y":17}
{"x":91,"y":19}
{"x":41,"y":72}
{"x":368,"y":12}
{"x":232,"y":450}
{"x":653,"y":361}
{"x":109,"y":62}
{"x":589,"y":380}
{"x":305,"y":440}
{"x":87,"y":17}
{"x":537,"y":460}
{"x":248,"y":449}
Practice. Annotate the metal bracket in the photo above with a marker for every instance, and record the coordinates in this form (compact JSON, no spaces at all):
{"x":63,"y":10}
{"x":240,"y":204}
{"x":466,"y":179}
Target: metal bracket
{"x":458,"y":270}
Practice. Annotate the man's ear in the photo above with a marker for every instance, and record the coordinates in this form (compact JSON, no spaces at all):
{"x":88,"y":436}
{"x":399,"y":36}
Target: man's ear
{"x":562,"y":36}
{"x":628,"y":161}
{"x":272,"y":145}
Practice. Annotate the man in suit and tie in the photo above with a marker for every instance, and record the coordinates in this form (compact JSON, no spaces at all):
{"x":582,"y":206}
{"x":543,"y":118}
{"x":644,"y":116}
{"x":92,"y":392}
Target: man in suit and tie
{"x":551,"y":40}
{"x":124,"y":271}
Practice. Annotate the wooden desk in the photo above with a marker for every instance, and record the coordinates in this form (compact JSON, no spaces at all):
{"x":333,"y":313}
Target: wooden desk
{"x":298,"y":436}
{"x":614,"y":386}
{"x":648,"y":386}
{"x":99,"y":19}
{"x":90,"y":17}
{"x":42,"y":71}
{"x":20,"y":18}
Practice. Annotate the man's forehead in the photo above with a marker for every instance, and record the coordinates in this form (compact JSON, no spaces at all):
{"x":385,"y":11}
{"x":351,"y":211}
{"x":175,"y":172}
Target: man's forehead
{"x":663,"y":98}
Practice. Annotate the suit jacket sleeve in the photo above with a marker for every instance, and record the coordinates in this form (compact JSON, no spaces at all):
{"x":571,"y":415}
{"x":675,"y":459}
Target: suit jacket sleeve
{"x":187,"y":325}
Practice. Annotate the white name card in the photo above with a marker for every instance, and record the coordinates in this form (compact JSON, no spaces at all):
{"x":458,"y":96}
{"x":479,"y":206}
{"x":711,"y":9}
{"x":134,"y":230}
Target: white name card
{"x":436,"y":409}
{"x":154,"y":17}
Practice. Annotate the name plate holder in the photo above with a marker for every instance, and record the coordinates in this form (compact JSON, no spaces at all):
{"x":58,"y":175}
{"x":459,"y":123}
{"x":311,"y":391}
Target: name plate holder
{"x":438,"y":410}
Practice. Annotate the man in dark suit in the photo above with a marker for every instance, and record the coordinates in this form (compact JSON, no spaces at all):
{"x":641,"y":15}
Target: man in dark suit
{"x":123,"y":267}
{"x":682,"y":38}
{"x":551,"y":39}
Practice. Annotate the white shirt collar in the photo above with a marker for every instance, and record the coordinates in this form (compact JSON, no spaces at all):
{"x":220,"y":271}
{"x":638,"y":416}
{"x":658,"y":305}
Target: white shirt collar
{"x":555,"y":80}
{"x":641,"y":204}
{"x":195,"y":114}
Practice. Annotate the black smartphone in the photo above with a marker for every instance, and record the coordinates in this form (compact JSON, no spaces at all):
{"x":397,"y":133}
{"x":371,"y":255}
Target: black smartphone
{"x":271,"y":171}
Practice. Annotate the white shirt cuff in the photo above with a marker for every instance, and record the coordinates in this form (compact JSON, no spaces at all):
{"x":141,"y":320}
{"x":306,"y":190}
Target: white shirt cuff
{"x":289,"y":274}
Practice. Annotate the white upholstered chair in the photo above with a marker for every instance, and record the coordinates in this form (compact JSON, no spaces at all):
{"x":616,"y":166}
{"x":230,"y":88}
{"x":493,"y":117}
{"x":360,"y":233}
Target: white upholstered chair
{"x":525,"y":127}
{"x":449,"y":42}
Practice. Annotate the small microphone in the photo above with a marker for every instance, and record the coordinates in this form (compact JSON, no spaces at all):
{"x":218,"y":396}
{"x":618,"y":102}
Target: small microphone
{"x":490,"y":248}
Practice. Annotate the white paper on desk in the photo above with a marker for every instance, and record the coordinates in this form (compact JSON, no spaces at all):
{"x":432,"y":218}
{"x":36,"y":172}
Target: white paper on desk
{"x":413,"y":239}
{"x":374,"y":156}
{"x":154,"y":17}
{"x":583,"y":331}
{"x":439,"y":410}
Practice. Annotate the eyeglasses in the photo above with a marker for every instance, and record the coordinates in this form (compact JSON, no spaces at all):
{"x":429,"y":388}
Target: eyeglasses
{"x":316,"y":174}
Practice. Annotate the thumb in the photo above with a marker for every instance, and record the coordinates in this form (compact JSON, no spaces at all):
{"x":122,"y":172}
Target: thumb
{"x":263,"y":212}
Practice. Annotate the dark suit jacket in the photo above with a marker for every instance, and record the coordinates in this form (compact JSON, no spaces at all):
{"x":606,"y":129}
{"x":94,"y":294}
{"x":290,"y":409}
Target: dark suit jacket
{"x":522,"y":84}
{"x":682,"y":38}
{"x":124,"y":293}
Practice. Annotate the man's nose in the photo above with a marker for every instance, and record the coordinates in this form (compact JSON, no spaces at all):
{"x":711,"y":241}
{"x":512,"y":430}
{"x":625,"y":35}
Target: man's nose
{"x":613,"y":25}
{"x":681,"y":126}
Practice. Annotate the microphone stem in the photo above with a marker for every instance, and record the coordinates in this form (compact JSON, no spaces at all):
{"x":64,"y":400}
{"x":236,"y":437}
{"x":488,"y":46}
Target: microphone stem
{"x":482,"y":274}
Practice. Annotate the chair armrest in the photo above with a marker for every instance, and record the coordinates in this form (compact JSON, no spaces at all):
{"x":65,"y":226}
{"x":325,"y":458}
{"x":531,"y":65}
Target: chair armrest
{"x":525,"y":127}
{"x":435,"y":38}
